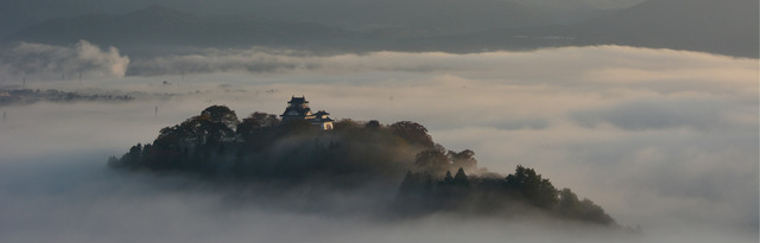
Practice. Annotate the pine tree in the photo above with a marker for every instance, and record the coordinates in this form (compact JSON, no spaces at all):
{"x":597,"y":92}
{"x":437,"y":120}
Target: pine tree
{"x":448,"y":180}
{"x":461,"y":178}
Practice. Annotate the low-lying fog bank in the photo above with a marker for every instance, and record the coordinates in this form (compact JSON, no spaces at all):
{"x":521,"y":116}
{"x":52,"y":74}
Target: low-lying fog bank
{"x":662,"y":139}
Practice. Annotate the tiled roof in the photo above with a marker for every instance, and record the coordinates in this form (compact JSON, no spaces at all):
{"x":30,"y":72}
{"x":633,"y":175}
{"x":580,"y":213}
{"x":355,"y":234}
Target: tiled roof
{"x":301,"y":99}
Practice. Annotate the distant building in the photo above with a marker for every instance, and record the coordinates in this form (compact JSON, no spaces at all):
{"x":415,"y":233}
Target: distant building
{"x":298,"y":109}
{"x":322,"y":120}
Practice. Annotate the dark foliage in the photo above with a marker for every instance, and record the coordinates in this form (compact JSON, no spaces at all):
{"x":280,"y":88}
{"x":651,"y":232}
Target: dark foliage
{"x":461,"y":178}
{"x":539,"y":192}
{"x":221,"y":114}
{"x":413,"y":133}
{"x":464,"y":159}
{"x":570,"y":207}
{"x":432,"y":161}
{"x":263,"y":148}
{"x":421,"y":194}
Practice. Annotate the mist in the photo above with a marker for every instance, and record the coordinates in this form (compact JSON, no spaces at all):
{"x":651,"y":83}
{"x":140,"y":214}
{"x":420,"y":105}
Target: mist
{"x":49,"y":62}
{"x":666,"y":140}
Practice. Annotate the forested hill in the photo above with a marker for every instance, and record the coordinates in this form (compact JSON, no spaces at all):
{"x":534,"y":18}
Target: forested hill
{"x":426,"y":177}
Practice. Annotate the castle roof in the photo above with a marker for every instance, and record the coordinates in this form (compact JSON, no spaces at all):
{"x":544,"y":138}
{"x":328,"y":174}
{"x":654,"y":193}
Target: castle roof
{"x":299,"y":109}
{"x":321,"y":113}
{"x":298,"y":100}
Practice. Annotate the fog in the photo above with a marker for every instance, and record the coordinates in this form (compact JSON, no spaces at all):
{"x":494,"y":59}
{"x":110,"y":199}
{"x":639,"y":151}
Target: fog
{"x":666,"y":140}
{"x":48,"y":62}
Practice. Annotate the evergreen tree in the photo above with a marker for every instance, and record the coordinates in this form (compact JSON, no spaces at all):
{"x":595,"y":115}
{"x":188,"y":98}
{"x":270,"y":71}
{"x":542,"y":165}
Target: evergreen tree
{"x":433,"y":161}
{"x":538,"y":191}
{"x":448,"y":180}
{"x":461,"y":178}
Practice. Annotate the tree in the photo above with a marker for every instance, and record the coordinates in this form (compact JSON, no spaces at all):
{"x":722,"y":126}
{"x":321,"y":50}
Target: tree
{"x":297,"y":126}
{"x":432,"y":160}
{"x":570,"y":207}
{"x":538,"y":191}
{"x":222,"y":114}
{"x":211,"y":127}
{"x":346,"y":124}
{"x":461,"y":178}
{"x":262,"y":119}
{"x":256,"y":122}
{"x":464,"y":159}
{"x":413,"y":133}
{"x":447,"y":179}
{"x":135,"y":152}
{"x":373,"y":125}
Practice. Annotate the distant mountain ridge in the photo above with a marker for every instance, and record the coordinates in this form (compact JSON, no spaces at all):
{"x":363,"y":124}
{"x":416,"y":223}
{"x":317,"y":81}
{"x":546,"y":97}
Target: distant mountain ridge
{"x":443,"y":16}
{"x":715,"y":26}
{"x":721,"y":26}
{"x":158,"y":25}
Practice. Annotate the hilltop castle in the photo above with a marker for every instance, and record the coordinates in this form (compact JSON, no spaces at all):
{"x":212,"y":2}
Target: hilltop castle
{"x":298,"y":109}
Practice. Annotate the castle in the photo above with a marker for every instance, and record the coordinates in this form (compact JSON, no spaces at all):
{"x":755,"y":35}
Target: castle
{"x":298,"y":109}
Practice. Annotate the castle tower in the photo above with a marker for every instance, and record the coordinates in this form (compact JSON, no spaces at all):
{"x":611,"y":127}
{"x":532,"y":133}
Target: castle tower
{"x":298,"y":109}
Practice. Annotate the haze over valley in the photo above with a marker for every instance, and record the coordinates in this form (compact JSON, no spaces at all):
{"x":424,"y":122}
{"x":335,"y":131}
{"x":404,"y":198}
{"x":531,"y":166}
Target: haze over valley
{"x":648,"y":109}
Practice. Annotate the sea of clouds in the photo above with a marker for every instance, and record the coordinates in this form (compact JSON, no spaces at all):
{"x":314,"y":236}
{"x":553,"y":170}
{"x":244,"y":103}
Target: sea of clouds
{"x":663,"y":139}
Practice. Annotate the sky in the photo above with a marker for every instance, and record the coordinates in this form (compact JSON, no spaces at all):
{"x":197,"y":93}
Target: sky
{"x":662,"y":139}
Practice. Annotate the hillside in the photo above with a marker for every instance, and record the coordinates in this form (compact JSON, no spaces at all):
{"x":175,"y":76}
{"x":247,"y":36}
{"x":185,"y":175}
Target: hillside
{"x":161,"y":26}
{"x":725,"y":27}
{"x":279,"y":156}
{"x":722,"y":27}
{"x":714,"y":26}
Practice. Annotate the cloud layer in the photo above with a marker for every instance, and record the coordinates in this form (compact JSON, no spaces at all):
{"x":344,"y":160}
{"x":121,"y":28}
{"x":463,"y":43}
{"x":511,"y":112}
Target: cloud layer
{"x":660,"y":138}
{"x":48,"y":62}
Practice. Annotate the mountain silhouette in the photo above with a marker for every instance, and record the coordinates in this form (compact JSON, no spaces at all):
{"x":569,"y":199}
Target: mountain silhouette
{"x":714,"y":26}
{"x":725,"y":27}
{"x":161,"y":26}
